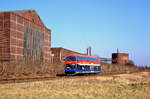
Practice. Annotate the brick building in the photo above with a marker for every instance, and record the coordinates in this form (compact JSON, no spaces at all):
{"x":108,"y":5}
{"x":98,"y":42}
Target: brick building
{"x":60,"y":53}
{"x":120,"y":58}
{"x":23,"y":35}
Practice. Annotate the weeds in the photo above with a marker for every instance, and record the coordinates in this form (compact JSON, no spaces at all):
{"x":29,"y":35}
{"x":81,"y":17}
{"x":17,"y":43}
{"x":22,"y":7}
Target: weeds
{"x":28,"y":68}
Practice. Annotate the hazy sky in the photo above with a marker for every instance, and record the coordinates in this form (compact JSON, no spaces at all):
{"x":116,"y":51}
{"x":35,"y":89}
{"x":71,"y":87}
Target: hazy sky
{"x":103,"y":24}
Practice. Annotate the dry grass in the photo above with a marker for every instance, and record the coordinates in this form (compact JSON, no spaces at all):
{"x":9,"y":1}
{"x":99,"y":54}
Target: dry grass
{"x":28,"y":68}
{"x":109,"y":68}
{"x":123,"y":86}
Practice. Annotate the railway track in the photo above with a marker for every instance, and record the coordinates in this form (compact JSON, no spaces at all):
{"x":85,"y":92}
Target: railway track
{"x":32,"y":79}
{"x":26,"y":79}
{"x":44,"y":78}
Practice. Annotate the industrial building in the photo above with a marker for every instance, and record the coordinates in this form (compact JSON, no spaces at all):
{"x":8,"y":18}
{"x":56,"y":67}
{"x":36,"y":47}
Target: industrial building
{"x":23,"y":35}
{"x":59,"y":54}
{"x":120,"y":58}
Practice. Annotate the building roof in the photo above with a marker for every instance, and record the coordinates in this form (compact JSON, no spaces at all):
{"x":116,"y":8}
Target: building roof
{"x":22,"y":11}
{"x":61,"y":48}
{"x":29,"y":15}
{"x":120,"y":54}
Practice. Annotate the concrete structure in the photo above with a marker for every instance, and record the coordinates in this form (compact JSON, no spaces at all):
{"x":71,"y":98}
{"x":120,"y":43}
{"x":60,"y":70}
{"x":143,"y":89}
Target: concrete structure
{"x":60,"y":53}
{"x":23,"y":35}
{"x":120,"y":58}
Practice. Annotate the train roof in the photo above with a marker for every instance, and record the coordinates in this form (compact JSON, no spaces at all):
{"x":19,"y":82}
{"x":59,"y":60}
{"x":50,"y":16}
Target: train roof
{"x":83,"y":56}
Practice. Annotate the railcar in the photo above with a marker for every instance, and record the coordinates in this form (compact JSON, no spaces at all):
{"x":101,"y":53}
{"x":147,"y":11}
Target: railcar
{"x":82,"y":64}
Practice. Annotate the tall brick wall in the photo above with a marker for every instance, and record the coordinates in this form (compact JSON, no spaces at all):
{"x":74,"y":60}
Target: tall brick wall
{"x":56,"y":53}
{"x":13,"y":35}
{"x":4,"y":36}
{"x":47,"y":44}
{"x":16,"y":37}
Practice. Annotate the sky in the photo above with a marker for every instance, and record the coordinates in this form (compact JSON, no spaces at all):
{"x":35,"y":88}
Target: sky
{"x":105,"y":25}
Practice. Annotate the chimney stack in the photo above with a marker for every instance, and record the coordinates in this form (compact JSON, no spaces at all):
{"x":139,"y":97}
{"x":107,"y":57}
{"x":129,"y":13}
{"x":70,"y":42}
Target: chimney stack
{"x":89,"y":49}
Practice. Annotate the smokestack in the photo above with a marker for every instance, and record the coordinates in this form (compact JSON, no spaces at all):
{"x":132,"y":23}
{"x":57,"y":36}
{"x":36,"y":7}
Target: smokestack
{"x":89,"y":49}
{"x":117,"y":50}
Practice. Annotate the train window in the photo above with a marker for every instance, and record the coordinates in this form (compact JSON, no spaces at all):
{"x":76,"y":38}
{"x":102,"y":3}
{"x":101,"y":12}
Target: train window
{"x":86,"y":58}
{"x":79,"y":67}
{"x":99,"y":67}
{"x":92,"y":59}
{"x":70,"y":58}
{"x":83,"y":58}
{"x":98,"y":60}
{"x":89,"y":59}
{"x":95,"y":60}
{"x":92,"y":67}
{"x":80,"y":58}
{"x":70,"y":66}
{"x":85,"y":67}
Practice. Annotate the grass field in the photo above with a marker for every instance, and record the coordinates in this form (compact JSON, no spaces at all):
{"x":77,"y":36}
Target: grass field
{"x":122,"y":86}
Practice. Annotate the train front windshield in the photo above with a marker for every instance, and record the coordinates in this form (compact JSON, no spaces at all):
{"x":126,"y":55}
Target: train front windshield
{"x":70,"y":66}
